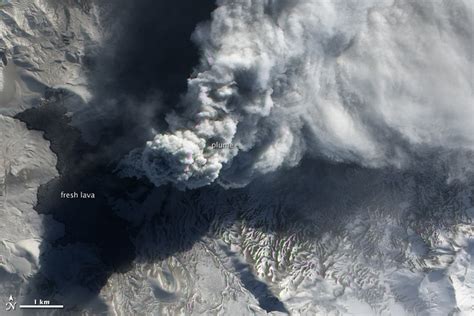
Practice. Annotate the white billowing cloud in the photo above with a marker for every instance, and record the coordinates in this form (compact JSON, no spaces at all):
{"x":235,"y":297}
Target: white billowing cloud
{"x":366,"y":82}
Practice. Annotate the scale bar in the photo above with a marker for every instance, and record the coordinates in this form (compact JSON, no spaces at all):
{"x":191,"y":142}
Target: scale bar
{"x":42,"y":306}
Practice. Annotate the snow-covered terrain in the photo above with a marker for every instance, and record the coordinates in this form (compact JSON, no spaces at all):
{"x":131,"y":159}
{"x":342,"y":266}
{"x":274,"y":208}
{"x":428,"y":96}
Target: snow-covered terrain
{"x":398,"y":244}
{"x":44,"y":43}
{"x":26,"y":162}
{"x":41,"y":46}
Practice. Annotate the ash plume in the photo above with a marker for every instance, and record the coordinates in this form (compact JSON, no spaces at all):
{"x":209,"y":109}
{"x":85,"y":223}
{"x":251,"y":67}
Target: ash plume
{"x":368,"y":82}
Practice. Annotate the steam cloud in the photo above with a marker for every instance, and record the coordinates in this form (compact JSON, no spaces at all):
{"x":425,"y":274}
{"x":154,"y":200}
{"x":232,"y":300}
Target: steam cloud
{"x":366,"y":82}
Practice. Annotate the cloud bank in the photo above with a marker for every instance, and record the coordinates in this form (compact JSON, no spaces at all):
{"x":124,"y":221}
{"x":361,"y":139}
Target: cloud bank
{"x":365,"y":82}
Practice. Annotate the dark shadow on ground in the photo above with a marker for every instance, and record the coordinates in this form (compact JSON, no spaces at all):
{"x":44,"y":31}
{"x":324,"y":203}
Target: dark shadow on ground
{"x":149,"y":54}
{"x":99,"y":233}
{"x":132,"y":221}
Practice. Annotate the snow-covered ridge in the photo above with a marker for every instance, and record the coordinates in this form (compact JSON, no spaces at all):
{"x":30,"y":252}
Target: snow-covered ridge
{"x":26,"y":162}
{"x":44,"y":43}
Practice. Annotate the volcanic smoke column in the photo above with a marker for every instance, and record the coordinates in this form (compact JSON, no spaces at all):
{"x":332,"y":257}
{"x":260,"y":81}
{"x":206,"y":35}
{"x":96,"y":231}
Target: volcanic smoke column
{"x":367,"y":82}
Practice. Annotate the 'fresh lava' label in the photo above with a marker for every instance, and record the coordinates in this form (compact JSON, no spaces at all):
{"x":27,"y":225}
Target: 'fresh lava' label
{"x":77,"y":195}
